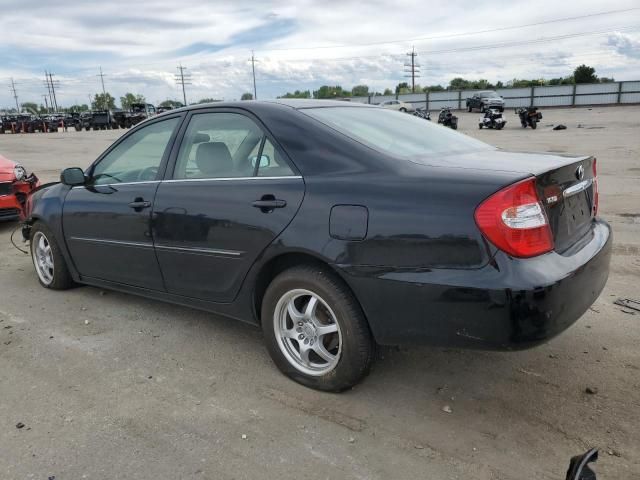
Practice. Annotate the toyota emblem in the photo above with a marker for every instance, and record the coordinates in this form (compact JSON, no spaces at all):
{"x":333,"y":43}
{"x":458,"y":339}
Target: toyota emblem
{"x":580,"y":172}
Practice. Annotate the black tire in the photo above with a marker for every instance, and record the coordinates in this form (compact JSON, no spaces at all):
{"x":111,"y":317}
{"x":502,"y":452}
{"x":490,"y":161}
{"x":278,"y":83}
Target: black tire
{"x":87,"y":129}
{"x":534,"y":125}
{"x":61,"y":278}
{"x":355,"y":342}
{"x":499,"y":126}
{"x":480,"y":126}
{"x":469,"y":108}
{"x":402,"y":109}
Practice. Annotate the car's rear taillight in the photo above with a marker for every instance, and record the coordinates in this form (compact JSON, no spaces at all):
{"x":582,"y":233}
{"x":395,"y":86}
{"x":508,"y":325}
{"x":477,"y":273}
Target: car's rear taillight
{"x":513,"y":219}
{"x":596,"y":196}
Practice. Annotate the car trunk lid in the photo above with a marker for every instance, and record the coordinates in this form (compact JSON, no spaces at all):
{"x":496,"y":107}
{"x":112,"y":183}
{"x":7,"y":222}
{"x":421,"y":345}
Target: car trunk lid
{"x":569,"y":196}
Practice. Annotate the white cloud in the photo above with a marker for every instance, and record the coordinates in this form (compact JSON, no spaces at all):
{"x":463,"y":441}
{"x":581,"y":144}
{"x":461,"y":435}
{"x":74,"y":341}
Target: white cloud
{"x":139,"y":44}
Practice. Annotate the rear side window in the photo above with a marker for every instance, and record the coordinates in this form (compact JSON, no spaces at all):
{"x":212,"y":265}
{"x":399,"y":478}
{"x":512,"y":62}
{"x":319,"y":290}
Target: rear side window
{"x":394,"y":133}
{"x":226,"y":145}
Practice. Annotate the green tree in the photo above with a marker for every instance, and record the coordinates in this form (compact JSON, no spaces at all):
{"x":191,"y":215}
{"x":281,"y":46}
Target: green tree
{"x":129,"y":99}
{"x":360,"y":91}
{"x":78,"y":108}
{"x":247,"y":96}
{"x":433,"y":88}
{"x":30,"y":107}
{"x":103,"y":101}
{"x":585,"y":74}
{"x":607,"y":80}
{"x":171,"y":104}
{"x":458,"y":83}
{"x":387,"y":91}
{"x":297,"y":94}
{"x":327,"y":91}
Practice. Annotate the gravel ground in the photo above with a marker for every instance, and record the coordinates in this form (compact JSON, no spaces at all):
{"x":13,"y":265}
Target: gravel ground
{"x":110,"y":385}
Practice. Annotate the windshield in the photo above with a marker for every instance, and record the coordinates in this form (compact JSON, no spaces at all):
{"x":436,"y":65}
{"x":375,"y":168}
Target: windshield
{"x":489,"y":94}
{"x":395,"y":133}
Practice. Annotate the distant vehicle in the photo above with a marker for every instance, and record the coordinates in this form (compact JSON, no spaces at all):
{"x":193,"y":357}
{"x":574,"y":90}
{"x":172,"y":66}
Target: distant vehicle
{"x":103,"y":120}
{"x":273,"y":213}
{"x":164,"y":109}
{"x":447,"y":118}
{"x":15,"y":186}
{"x":529,"y":116}
{"x":136,"y":114}
{"x":492,"y":118}
{"x":397,"y":105}
{"x":485,"y":99}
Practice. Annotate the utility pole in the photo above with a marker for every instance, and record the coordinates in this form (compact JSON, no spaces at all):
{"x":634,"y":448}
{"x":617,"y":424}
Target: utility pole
{"x":183,"y":79}
{"x":46,"y":103}
{"x":15,"y":94}
{"x":412,"y":68}
{"x":101,"y":75}
{"x":253,"y":70}
{"x":104,"y":92}
{"x":46,"y":80}
{"x":53,"y":92}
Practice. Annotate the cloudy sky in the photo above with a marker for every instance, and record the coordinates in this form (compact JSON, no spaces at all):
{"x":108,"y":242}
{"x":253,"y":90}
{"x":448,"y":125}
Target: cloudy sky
{"x":302,"y":44}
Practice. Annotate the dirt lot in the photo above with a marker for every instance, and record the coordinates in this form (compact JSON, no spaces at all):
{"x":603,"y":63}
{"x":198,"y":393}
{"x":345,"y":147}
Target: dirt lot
{"x":153,"y":391}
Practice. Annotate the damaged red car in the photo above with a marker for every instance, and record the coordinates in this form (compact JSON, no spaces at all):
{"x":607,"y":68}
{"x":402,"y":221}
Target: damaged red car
{"x":15,"y":187}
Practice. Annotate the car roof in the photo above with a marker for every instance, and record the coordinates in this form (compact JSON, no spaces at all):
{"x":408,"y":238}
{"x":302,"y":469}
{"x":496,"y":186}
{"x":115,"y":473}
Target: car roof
{"x":295,"y":103}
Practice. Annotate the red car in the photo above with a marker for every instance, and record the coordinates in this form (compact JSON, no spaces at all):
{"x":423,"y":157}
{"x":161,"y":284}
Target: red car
{"x":15,"y":187}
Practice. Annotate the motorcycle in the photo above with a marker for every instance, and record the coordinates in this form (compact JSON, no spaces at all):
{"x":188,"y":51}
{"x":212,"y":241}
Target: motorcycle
{"x":447,"y":118}
{"x":422,"y":113}
{"x":529,"y":116}
{"x":492,"y":119}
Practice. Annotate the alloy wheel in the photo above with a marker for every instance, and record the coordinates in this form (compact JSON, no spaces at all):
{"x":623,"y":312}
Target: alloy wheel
{"x":307,"y":332}
{"x":43,"y":258}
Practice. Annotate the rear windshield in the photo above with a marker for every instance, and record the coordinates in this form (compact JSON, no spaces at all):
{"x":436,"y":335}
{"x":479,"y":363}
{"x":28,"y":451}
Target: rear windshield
{"x":395,"y":133}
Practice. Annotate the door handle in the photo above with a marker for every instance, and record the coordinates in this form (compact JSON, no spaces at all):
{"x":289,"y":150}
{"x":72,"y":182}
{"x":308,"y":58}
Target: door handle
{"x":268,"y":202}
{"x":138,"y":204}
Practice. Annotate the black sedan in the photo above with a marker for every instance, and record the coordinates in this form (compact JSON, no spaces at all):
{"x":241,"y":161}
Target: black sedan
{"x":333,"y":226}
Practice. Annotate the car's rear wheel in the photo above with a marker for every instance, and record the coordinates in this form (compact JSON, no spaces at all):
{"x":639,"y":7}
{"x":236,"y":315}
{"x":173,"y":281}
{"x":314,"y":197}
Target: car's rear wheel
{"x":402,"y":109}
{"x":469,"y":108}
{"x":48,"y":260}
{"x":315,"y":330}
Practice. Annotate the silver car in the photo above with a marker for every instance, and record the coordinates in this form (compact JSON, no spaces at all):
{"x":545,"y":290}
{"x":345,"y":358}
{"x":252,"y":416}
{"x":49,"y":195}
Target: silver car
{"x":398,"y":105}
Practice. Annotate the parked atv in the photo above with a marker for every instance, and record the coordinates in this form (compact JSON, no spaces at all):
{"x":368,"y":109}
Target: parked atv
{"x":529,"y":116}
{"x":422,"y":113}
{"x":492,"y":118}
{"x":447,"y":118}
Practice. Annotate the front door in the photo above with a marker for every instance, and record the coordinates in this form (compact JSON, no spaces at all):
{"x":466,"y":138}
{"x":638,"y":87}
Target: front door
{"x":107,"y":222}
{"x":231,"y":193}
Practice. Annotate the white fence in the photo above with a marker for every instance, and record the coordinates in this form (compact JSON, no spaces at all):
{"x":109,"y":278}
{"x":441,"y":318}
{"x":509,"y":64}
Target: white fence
{"x":543,"y":96}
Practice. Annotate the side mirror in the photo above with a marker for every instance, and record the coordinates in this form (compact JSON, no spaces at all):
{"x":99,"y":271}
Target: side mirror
{"x":72,"y":176}
{"x":265,"y":161}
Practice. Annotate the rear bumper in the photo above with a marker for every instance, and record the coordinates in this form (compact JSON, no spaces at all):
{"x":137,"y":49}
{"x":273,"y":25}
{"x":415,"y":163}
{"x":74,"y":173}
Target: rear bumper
{"x":508,"y":304}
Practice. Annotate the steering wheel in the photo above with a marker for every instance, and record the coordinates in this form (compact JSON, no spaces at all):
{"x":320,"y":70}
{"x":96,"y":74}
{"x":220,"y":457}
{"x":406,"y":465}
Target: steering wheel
{"x":148,"y":174}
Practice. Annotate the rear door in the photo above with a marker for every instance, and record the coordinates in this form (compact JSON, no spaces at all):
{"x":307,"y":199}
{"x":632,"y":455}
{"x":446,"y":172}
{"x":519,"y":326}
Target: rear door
{"x":230,"y":193}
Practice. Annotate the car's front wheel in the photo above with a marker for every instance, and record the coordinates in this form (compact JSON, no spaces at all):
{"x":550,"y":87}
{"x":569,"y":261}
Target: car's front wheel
{"x":315,"y":330}
{"x":48,"y":260}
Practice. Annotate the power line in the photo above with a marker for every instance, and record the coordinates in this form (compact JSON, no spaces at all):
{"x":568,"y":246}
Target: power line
{"x":459,"y":34}
{"x":183,"y":79}
{"x":412,"y":68}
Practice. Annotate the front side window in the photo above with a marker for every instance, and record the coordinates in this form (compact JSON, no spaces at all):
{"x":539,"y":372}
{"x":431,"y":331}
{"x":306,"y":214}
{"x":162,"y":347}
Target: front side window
{"x":395,"y":133}
{"x":138,"y":157}
{"x":226,"y":145}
